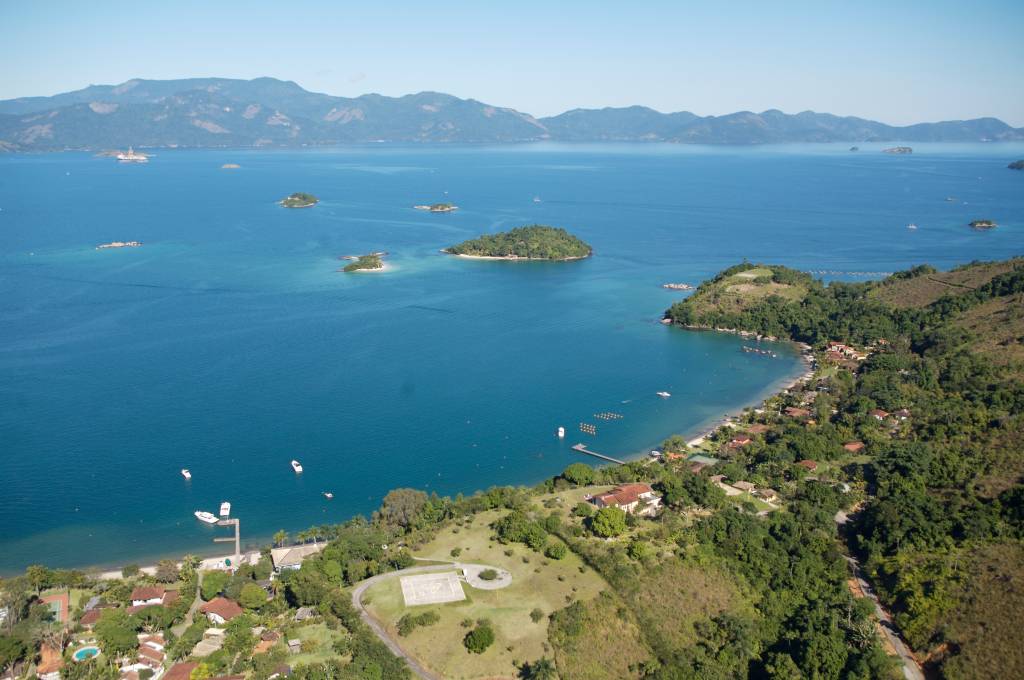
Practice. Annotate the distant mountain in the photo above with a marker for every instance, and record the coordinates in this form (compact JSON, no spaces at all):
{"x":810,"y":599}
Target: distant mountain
{"x":221,"y":112}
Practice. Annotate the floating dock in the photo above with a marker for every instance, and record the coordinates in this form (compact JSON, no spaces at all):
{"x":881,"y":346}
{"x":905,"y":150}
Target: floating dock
{"x":583,"y":449}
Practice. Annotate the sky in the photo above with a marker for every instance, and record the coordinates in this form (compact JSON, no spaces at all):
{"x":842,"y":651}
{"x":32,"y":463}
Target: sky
{"x":899,"y":62}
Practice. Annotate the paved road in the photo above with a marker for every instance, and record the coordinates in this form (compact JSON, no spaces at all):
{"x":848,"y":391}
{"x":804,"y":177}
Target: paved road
{"x":911,"y":669}
{"x":378,"y":629}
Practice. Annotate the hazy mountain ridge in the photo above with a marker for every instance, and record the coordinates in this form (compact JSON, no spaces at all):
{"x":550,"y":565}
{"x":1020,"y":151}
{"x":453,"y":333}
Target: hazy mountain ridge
{"x":205,"y":112}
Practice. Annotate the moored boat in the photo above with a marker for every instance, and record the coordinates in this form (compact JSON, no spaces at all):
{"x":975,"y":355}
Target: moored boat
{"x":225,"y":509}
{"x":204,"y":516}
{"x":664,"y":395}
{"x":328,"y":495}
{"x":297,"y":466}
{"x":185,"y":473}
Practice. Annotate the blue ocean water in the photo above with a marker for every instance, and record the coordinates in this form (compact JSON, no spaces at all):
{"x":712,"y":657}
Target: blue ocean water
{"x":229,"y":344}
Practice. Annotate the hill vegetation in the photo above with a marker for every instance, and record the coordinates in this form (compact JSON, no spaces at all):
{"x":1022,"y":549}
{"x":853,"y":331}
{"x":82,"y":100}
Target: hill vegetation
{"x":218,"y":112}
{"x":369,"y":262}
{"x":536,"y":242}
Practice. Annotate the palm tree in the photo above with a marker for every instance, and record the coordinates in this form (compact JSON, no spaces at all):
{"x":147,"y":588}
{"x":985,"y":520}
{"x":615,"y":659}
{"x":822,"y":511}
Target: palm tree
{"x":280,"y":538}
{"x":541,"y":669}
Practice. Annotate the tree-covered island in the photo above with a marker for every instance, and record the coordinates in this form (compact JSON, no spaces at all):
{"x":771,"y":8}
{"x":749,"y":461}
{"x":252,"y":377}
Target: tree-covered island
{"x":438,"y":207}
{"x":536,"y":242}
{"x":983,"y":224}
{"x":1016,"y":165}
{"x":300,"y":200}
{"x":371,"y":262}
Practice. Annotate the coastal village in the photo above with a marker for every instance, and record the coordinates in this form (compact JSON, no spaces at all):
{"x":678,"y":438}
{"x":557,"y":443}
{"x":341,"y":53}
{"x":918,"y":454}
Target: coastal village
{"x":201,"y":619}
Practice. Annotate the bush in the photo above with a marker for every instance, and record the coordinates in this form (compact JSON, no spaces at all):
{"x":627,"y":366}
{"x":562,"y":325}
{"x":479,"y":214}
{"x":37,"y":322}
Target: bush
{"x":488,"y":574}
{"x":584,"y":509}
{"x":410,"y":622}
{"x":608,"y":522}
{"x":130,"y":570}
{"x":536,"y":615}
{"x":480,"y":638}
{"x":556,"y":551}
{"x":456,"y":552}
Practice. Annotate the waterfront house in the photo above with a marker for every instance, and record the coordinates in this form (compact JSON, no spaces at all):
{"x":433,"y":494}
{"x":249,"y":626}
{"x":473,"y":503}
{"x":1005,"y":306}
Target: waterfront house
{"x":292,"y":556}
{"x":744,"y":486}
{"x":636,"y":499}
{"x":808,"y":465}
{"x":740,"y":441}
{"x":220,"y":610}
{"x":146,"y":595}
{"x":795,"y":412}
{"x":168,"y":597}
{"x":854,"y":447}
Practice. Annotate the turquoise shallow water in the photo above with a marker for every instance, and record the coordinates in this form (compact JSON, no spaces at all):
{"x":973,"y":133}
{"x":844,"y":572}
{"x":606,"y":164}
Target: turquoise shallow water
{"x":229,"y":344}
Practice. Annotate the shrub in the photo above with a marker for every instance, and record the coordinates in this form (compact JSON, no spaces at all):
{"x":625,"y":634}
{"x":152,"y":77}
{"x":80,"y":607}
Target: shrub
{"x":584,"y":509}
{"x":536,"y":615}
{"x":608,"y":522}
{"x":556,"y":551}
{"x":130,"y":570}
{"x":410,"y":622}
{"x":455,"y":552}
{"x":480,"y":638}
{"x":488,"y":574}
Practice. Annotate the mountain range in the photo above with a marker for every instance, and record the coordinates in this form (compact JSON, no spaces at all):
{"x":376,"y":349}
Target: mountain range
{"x":267,"y":112}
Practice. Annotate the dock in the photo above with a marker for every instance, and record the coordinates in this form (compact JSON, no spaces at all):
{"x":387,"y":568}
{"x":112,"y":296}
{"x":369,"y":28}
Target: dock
{"x":583,"y":449}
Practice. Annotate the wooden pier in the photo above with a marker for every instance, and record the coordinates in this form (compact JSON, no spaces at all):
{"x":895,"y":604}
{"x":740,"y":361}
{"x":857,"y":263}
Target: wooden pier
{"x":583,"y":449}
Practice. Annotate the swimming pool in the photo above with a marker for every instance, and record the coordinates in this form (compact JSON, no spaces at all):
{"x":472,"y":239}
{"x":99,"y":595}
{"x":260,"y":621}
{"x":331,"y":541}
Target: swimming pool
{"x":85,"y":653}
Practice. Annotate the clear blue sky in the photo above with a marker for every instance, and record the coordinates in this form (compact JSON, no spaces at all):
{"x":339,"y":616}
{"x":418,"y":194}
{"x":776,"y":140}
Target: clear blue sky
{"x":895,"y":61}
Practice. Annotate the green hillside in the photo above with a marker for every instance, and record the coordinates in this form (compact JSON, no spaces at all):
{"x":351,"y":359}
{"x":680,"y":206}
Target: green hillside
{"x":536,"y":242}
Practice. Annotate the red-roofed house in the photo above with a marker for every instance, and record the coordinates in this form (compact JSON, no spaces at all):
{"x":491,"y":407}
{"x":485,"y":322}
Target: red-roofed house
{"x":637,"y":499}
{"x":180,"y":671}
{"x":165,"y":598}
{"x":853,"y":447}
{"x":808,"y":465}
{"x":740,"y":441}
{"x":878,"y":414}
{"x":794,"y":412}
{"x":757,"y":428}
{"x":220,"y":610}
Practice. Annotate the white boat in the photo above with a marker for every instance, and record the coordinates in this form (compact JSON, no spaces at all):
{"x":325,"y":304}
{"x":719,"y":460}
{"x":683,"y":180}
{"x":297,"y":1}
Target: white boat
{"x":664,"y":395}
{"x":225,"y":509}
{"x":132,"y":157}
{"x":297,"y":466}
{"x":185,"y":473}
{"x":536,"y":199}
{"x":911,"y":226}
{"x":328,"y":495}
{"x":561,"y":433}
{"x":204,"y":516}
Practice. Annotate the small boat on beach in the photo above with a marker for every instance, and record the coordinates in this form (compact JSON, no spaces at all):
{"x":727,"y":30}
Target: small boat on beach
{"x":664,"y":395}
{"x":225,"y":509}
{"x":185,"y":473}
{"x":204,"y":516}
{"x":328,"y":495}
{"x":297,"y":466}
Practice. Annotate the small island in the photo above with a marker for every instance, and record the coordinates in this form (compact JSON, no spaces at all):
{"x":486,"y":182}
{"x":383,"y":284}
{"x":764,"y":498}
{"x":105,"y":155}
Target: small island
{"x":373,"y":262}
{"x":983,"y":224}
{"x":437,"y":207}
{"x":898,"y":149}
{"x":854,"y":148}
{"x":119,"y":244}
{"x":230,"y":166}
{"x":300,"y":200}
{"x":535,"y":242}
{"x":1016,"y":165}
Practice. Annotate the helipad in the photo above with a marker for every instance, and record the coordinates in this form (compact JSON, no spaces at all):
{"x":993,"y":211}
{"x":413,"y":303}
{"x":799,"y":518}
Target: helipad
{"x":432,"y":588}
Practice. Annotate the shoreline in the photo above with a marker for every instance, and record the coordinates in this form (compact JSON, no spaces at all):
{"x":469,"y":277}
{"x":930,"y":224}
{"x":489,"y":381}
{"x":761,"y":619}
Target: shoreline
{"x":512,"y":258}
{"x":694,"y":436}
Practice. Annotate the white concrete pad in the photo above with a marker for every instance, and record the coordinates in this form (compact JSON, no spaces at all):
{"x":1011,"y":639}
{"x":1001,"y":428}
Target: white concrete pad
{"x":432,"y":589}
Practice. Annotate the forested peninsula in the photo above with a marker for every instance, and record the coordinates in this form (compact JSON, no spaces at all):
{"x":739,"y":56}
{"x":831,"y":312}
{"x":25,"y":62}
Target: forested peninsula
{"x":536,"y":242}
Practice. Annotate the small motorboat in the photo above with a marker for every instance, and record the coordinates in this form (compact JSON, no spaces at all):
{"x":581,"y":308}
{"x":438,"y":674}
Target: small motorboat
{"x":911,"y":226}
{"x":185,"y":473}
{"x":664,"y":395}
{"x":536,"y":199}
{"x":204,"y":516}
{"x":328,"y":495}
{"x":225,"y":509}
{"x":561,"y":433}
{"x":297,"y":466}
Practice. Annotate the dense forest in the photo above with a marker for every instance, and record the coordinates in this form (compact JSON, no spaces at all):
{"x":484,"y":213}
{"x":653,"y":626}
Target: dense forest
{"x":536,"y":242}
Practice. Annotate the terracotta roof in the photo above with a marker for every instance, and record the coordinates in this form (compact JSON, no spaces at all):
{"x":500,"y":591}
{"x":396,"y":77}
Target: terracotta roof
{"x":624,"y":495}
{"x":150,"y":653}
{"x":797,"y":412}
{"x":808,"y":464}
{"x":758,"y":428}
{"x":263,"y":646}
{"x":148,"y":593}
{"x":222,"y":607}
{"x":744,"y":486}
{"x":878,"y":413}
{"x":853,"y":447}
{"x":180,"y":671}
{"x":50,"y":660}
{"x":91,"y":617}
{"x":742,"y":440}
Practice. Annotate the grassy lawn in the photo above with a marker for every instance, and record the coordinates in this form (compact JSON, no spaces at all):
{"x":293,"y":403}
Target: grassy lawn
{"x":537,"y":583}
{"x":324,"y":638}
